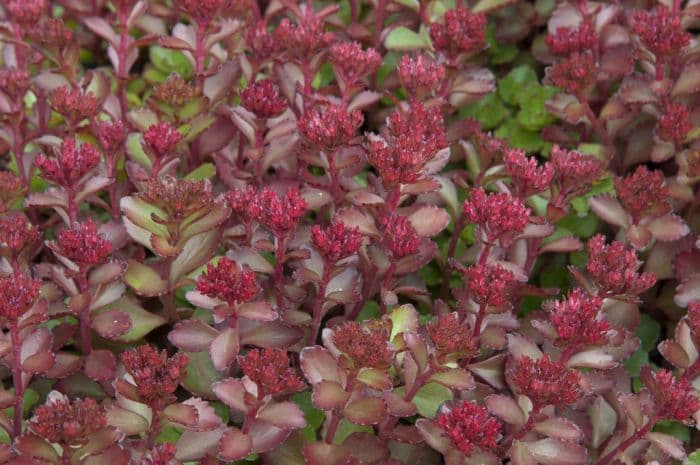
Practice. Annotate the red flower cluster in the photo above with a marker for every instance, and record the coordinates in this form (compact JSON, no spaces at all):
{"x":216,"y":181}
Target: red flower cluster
{"x":16,"y":233}
{"x":353,"y":63}
{"x":566,"y":40}
{"x":26,"y":12}
{"x":177,"y":198}
{"x":693,"y":317}
{"x":305,"y":39}
{"x":202,"y":11}
{"x":73,"y":104}
{"x":329,"y":125}
{"x":470,"y":425}
{"x":499,"y":216}
{"x":660,"y":31}
{"x":399,"y":235}
{"x":574,"y":172}
{"x":262,"y":44}
{"x":527,"y":177}
{"x":574,"y":75}
{"x":155,"y":375}
{"x":14,"y":82}
{"x":162,"y":138}
{"x":546,"y":382}
{"x":111,"y":135}
{"x":262,"y":98}
{"x":10,"y":189}
{"x":614,"y":269}
{"x":576,"y":319}
{"x":68,"y":423}
{"x":675,"y":398}
{"x":674,"y":123}
{"x":452,"y":336}
{"x":643,"y":193}
{"x":269,"y":369}
{"x":175,"y":91}
{"x":17,"y":296}
{"x":420,"y":75}
{"x":415,"y":136}
{"x":489,"y":285}
{"x":365,"y":345}
{"x":70,"y":165}
{"x":462,"y":32}
{"x":279,"y":214}
{"x":227,"y":282}
{"x":337,"y":241}
{"x":83,"y":245}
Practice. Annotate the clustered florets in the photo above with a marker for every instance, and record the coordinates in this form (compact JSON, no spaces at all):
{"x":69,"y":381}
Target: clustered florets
{"x":399,"y":235}
{"x":83,"y":245}
{"x":449,"y":335}
{"x":70,"y":165}
{"x":227,"y":282}
{"x":576,"y":319}
{"x":489,"y":285}
{"x":365,"y":346}
{"x":280,"y":214}
{"x":614,"y":269}
{"x":469,"y":426}
{"x":337,"y":241}
{"x":546,"y":382}
{"x":462,"y":32}
{"x":329,"y":125}
{"x":643,"y":192}
{"x":499,"y":216}
{"x":17,"y":295}
{"x":262,"y":98}
{"x":566,"y":40}
{"x":156,"y":376}
{"x":269,"y":369}
{"x":527,"y":177}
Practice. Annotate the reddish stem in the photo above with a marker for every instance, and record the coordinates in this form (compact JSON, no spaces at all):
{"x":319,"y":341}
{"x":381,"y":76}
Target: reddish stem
{"x":386,"y":284}
{"x":279,"y":268}
{"x":318,"y":302}
{"x":626,"y":443}
{"x":17,"y":380}
{"x":332,"y":427}
{"x":452,"y":248}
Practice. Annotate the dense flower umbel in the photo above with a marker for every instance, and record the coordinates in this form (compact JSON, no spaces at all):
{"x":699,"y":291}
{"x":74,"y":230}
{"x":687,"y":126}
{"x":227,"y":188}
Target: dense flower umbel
{"x":352,"y":62}
{"x":675,"y":398}
{"x":499,"y":216}
{"x":262,"y":44}
{"x":489,"y":285}
{"x":70,"y":165}
{"x":111,"y":135}
{"x":365,"y":345}
{"x":462,"y":32}
{"x":202,"y":11}
{"x":83,"y":245}
{"x":420,"y":74}
{"x":26,"y":12}
{"x":279,"y":214}
{"x":17,"y":296}
{"x":177,"y":197}
{"x":303,"y":40}
{"x":262,"y":98}
{"x":74,"y":104}
{"x":470,"y":425}
{"x":660,"y":31}
{"x":161,"y":454}
{"x":162,"y":138}
{"x":175,"y":91}
{"x":614,"y":268}
{"x":14,"y":82}
{"x":575,"y":74}
{"x":576,"y":319}
{"x":643,"y":193}
{"x":227,"y":282}
{"x":546,"y":382}
{"x":399,"y":235}
{"x":10,"y":189}
{"x":414,"y":138}
{"x":270,"y":370}
{"x":68,"y":423}
{"x":674,"y":123}
{"x":449,"y":335}
{"x":527,"y":177}
{"x":16,"y":233}
{"x":155,"y":375}
{"x":337,"y":241}
{"x":566,"y":40}
{"x":574,"y":172}
{"x":329,"y":125}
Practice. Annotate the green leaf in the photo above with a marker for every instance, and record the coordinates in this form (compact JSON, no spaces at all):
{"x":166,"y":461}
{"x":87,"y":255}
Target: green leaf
{"x":520,"y":137}
{"x":515,"y":82}
{"x":533,"y":114}
{"x":314,"y":417}
{"x":489,"y":111}
{"x":404,"y":40}
{"x":370,"y":311}
{"x":498,"y":51}
{"x":170,"y":61}
{"x":580,"y":204}
{"x":323,"y":77}
{"x":430,"y":397}
{"x":693,"y":459}
{"x":674,"y":428}
{"x":201,"y":374}
{"x":346,"y":428}
{"x":485,"y":6}
{"x":648,"y":332}
{"x":204,"y":171}
{"x":168,"y":434}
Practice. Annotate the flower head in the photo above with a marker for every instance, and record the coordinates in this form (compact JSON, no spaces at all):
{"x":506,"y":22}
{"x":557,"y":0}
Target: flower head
{"x":305,"y":39}
{"x":449,"y":335}
{"x":73,"y":103}
{"x":470,"y":425}
{"x":566,"y":40}
{"x":414,"y":138}
{"x":675,"y":398}
{"x":489,"y":285}
{"x":26,"y":12}
{"x":674,"y":123}
{"x":17,"y":295}
{"x":52,"y":33}
{"x":83,"y":245}
{"x":177,"y":198}
{"x":643,"y":193}
{"x":526,"y":175}
{"x":111,"y":135}
{"x":366,"y":346}
{"x":155,"y":375}
{"x":660,"y":31}
{"x":270,"y":370}
{"x":576,"y":319}
{"x":574,"y":75}
{"x":574,"y":172}
{"x":420,"y":75}
{"x":16,"y":233}
{"x":14,"y":82}
{"x":175,"y":91}
{"x":329,"y":125}
{"x":546,"y":382}
{"x":499,"y":216}
{"x":353,"y":63}
{"x":462,"y":32}
{"x":68,"y":423}
{"x":279,"y":214}
{"x":337,"y":241}
{"x":399,"y":236}
{"x":227,"y":282}
{"x":202,"y":12}
{"x":162,"y":138}
{"x":262,"y":98}
{"x":262,"y":44}
{"x":10,"y":189}
{"x":693,"y":317}
{"x":70,"y":165}
{"x":614,"y":268}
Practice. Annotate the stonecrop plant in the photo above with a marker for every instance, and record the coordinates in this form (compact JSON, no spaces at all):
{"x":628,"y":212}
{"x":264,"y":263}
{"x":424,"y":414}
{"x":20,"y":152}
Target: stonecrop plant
{"x":364,"y":232}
